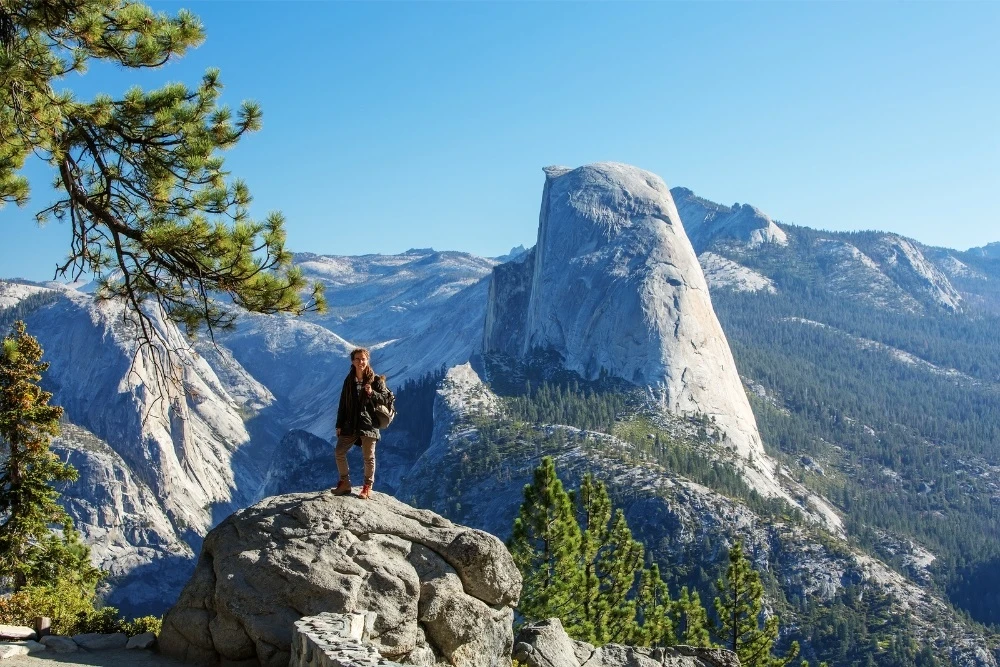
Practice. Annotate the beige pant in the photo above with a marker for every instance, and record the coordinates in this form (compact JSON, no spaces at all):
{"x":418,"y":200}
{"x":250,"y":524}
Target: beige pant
{"x":344,"y":444}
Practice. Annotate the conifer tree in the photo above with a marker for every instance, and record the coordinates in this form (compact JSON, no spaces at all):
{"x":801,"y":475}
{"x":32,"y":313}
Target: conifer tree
{"x":619,"y":563}
{"x":690,"y":619}
{"x":140,"y":177}
{"x":611,"y":561}
{"x":545,"y":545}
{"x":590,"y":574}
{"x":655,"y":610}
{"x":738,"y":608}
{"x":593,"y":514}
{"x":30,"y":552}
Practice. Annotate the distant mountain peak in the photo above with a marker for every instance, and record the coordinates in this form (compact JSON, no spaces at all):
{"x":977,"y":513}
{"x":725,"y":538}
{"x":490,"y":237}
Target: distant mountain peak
{"x":516,"y":253}
{"x":706,"y":221}
{"x":901,"y":253}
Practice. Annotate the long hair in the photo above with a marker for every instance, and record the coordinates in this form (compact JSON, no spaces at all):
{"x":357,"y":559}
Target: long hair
{"x":368,"y":376}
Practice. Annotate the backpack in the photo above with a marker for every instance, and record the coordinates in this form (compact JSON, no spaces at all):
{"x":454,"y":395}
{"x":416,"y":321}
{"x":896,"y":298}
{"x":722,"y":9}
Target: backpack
{"x":385,"y":411}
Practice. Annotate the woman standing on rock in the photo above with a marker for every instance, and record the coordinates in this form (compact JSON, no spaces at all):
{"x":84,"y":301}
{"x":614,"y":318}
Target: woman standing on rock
{"x":356,"y":420}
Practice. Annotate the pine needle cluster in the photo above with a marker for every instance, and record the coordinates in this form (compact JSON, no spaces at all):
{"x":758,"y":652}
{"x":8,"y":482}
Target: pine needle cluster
{"x":140,"y":176}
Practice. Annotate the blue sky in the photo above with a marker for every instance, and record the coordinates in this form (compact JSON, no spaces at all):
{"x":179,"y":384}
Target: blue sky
{"x":426,"y":124}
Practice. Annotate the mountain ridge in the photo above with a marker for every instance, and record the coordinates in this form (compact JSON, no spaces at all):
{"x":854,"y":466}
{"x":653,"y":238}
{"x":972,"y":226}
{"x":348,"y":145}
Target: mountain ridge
{"x":276,"y":375}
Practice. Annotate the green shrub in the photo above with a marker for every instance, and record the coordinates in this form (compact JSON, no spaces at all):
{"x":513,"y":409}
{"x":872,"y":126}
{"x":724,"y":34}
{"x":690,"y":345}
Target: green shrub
{"x":108,"y":620}
{"x":71,"y":610}
{"x":105,"y":620}
{"x":137,"y":626}
{"x":63,"y":602}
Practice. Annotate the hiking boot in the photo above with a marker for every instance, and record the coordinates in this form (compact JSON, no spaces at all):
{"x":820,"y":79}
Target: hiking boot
{"x":365,"y":490}
{"x":342,"y":489}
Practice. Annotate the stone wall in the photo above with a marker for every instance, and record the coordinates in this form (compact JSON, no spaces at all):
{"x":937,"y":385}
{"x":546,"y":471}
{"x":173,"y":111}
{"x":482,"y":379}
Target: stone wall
{"x":335,"y":640}
{"x":546,"y":644}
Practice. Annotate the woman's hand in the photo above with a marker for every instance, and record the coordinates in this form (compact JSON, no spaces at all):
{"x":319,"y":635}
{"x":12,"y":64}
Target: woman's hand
{"x":368,"y":389}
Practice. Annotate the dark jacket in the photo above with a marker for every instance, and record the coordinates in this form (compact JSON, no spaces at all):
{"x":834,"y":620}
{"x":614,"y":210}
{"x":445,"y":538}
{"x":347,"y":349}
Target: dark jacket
{"x":356,"y":411}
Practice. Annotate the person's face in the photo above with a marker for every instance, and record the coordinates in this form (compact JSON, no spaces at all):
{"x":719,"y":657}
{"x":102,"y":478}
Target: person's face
{"x":360,"y":362}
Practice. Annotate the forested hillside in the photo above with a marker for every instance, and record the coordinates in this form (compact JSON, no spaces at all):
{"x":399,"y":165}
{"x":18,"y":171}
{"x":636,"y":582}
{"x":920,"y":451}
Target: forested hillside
{"x":893,"y":415}
{"x":686,"y":504}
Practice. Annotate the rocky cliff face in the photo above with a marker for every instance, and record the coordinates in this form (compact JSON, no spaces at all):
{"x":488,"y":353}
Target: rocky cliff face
{"x":460,"y":397}
{"x":723,"y":273}
{"x":401,"y":293}
{"x":988,"y":250}
{"x":130,"y":536}
{"x":507,"y":306}
{"x":301,"y":363}
{"x":852,"y":273}
{"x":616,"y":288}
{"x":904,"y":261}
{"x":975,"y":274}
{"x":453,"y":336}
{"x":180,"y":436}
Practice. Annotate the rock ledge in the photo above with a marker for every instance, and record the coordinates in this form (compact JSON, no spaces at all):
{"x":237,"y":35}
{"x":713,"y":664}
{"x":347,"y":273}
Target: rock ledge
{"x":443,"y":593}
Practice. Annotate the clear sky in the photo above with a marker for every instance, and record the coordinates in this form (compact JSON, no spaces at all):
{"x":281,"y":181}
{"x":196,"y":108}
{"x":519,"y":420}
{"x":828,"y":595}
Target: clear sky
{"x":389,"y":126}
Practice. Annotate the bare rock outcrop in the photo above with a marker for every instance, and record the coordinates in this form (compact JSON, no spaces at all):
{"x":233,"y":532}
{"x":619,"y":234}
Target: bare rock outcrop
{"x":723,"y":273}
{"x":706,"y":222}
{"x":441,"y":592}
{"x":903,"y":260}
{"x":988,"y":250}
{"x":546,"y":644}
